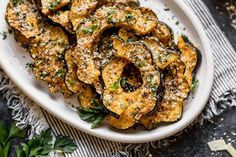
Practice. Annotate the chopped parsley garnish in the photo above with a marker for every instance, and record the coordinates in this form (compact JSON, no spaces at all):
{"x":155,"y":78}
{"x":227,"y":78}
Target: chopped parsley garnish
{"x":43,"y":74}
{"x":195,"y":84}
{"x":4,"y":35}
{"x":129,"y":16}
{"x":54,"y":4}
{"x":110,"y":17}
{"x":29,"y":65}
{"x":60,"y":73}
{"x":91,"y":29}
{"x":38,"y":62}
{"x":9,"y":31}
{"x":131,"y":39}
{"x":167,"y":9}
{"x":115,"y":85}
{"x":123,"y":82}
{"x":15,"y":2}
{"x":71,"y":80}
{"x":164,"y":57}
{"x":140,"y":64}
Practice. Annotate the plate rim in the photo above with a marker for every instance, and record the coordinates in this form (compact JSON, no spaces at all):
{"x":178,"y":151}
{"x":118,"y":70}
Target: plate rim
{"x":210,"y":70}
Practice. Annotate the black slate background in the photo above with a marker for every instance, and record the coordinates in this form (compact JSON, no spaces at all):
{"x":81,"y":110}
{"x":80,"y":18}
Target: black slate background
{"x":194,"y":142}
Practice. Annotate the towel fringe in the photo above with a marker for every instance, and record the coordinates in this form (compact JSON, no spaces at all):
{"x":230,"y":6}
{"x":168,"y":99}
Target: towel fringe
{"x":24,"y":111}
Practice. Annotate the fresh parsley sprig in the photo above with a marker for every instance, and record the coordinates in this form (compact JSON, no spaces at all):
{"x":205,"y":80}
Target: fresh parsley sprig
{"x":93,"y":115}
{"x":64,"y":144}
{"x":39,"y":146}
{"x":7,"y":134}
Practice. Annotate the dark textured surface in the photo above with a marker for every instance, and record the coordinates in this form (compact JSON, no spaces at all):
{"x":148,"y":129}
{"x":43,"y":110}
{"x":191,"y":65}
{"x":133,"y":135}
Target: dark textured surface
{"x":194,"y":142}
{"x":222,"y":17}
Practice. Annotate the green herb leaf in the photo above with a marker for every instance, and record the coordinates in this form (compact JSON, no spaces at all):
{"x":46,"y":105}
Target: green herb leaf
{"x":177,"y":23}
{"x":4,"y":35}
{"x":1,"y":151}
{"x":39,"y":146}
{"x":195,"y":84}
{"x":15,"y":132}
{"x":7,"y":133}
{"x":129,"y":16}
{"x":111,"y":17}
{"x":123,"y":82}
{"x":115,"y":85}
{"x":64,"y":144}
{"x":91,"y":29}
{"x":3,"y":133}
{"x":95,"y":115}
{"x":19,"y":152}
{"x":167,"y":9}
{"x":131,"y":39}
{"x":15,"y":2}
{"x":60,"y":73}
{"x":54,"y":4}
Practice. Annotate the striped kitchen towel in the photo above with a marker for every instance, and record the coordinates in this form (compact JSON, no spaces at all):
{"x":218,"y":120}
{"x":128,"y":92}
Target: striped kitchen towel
{"x":26,"y":113}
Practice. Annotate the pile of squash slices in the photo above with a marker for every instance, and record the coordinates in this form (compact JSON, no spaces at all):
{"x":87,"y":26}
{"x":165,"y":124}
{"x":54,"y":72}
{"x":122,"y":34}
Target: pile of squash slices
{"x":113,"y":51}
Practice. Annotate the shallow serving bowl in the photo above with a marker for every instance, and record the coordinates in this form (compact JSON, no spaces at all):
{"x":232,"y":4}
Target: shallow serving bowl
{"x":175,"y":13}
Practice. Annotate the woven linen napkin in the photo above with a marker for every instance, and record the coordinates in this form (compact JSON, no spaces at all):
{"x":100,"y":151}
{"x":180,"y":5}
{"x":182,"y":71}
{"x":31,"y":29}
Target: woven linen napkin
{"x":27,"y":113}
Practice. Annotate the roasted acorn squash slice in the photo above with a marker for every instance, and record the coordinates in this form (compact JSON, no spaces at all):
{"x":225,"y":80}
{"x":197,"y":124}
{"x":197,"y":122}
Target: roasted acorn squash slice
{"x":141,"y":20}
{"x":162,"y":57}
{"x":164,"y":34}
{"x":23,"y":17}
{"x":133,"y":105}
{"x":189,"y":55}
{"x":48,"y":49}
{"x":176,"y":91}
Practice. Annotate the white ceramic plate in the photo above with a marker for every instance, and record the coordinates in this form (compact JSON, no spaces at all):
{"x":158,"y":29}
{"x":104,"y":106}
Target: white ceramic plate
{"x":13,"y":60}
